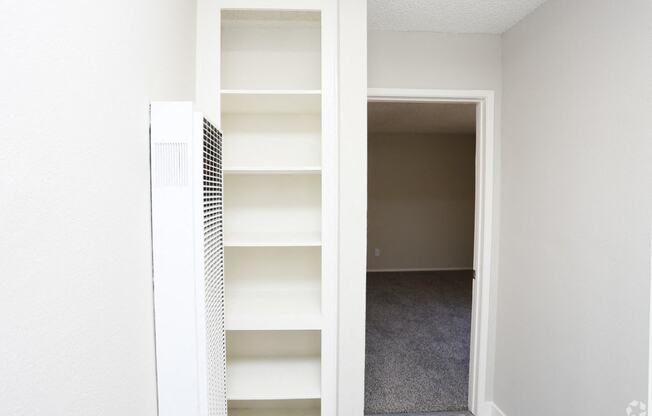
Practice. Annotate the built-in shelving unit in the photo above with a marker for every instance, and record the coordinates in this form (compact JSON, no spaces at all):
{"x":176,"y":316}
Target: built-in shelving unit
{"x":271,"y":116}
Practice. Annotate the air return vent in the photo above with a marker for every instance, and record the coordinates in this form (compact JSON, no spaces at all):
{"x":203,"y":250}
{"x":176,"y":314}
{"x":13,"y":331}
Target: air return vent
{"x":214,"y":268}
{"x":169,"y":164}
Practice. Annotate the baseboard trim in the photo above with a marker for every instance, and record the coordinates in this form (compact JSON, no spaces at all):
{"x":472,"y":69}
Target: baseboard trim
{"x":490,"y":409}
{"x":432,"y":269}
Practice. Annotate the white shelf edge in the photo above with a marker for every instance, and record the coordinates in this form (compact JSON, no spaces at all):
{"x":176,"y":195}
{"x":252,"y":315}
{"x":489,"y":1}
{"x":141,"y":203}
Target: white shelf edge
{"x":259,"y":324}
{"x":299,"y":170}
{"x":245,"y":398}
{"x":270,"y":92}
{"x":228,"y":243}
{"x":273,"y":240}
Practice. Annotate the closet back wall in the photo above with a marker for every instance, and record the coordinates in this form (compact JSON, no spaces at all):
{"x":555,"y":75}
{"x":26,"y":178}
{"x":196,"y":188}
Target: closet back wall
{"x":421,"y":201}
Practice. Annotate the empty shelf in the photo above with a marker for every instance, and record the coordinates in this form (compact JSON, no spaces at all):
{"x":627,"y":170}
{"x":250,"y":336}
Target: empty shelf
{"x":283,"y":208}
{"x":252,"y":239}
{"x":291,"y":309}
{"x":272,"y":140}
{"x":305,"y":407}
{"x":315,"y":411}
{"x":274,"y":412}
{"x":298,"y":170}
{"x":271,"y":101}
{"x":309,"y":407}
{"x":274,"y":378}
{"x":271,"y":49}
{"x":270,"y":92}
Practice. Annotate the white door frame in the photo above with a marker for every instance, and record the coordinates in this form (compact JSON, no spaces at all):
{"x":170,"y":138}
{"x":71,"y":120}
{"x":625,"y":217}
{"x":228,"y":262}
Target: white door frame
{"x":482,"y":252}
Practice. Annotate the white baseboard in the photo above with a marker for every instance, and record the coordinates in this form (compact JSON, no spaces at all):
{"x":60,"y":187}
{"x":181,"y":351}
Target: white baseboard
{"x":490,"y":409}
{"x":431,"y":269}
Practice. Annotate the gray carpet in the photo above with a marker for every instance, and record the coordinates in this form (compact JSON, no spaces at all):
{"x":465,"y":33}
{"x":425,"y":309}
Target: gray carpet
{"x":459,"y":413}
{"x":417,"y":342}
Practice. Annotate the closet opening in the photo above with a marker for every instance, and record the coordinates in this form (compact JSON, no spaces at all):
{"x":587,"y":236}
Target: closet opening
{"x":421,"y":232}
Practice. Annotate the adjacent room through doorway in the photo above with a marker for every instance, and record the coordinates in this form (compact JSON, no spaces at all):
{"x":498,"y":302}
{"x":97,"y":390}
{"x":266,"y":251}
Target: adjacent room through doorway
{"x":421,"y":203}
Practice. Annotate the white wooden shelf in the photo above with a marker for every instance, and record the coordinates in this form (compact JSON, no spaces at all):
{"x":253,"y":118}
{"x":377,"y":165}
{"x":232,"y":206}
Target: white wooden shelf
{"x":273,"y":309}
{"x":270,"y":92}
{"x":273,"y":378}
{"x":275,"y":412}
{"x":265,"y":170}
{"x":310,"y":407}
{"x":272,"y":239}
{"x":271,"y":101}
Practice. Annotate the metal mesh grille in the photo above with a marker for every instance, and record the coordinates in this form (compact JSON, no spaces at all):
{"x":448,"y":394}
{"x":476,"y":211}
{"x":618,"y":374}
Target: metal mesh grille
{"x":214,"y":270}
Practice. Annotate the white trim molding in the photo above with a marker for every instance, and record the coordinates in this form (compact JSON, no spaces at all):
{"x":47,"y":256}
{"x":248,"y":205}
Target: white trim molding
{"x":426,"y":269}
{"x":649,"y":371}
{"x":483,"y":235}
{"x":490,"y":409}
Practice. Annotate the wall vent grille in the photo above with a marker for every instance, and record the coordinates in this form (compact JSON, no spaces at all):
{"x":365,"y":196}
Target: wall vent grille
{"x":214,"y":269}
{"x":170,"y":164}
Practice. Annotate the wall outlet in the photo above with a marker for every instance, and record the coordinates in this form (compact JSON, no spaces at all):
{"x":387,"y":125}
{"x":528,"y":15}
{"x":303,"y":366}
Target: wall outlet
{"x":377,"y":252}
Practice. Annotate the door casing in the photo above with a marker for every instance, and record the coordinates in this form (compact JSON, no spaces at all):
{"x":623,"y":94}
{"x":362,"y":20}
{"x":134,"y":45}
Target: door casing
{"x":483,"y":253}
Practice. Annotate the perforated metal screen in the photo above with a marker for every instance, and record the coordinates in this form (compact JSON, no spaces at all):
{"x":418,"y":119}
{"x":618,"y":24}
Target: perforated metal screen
{"x":214,"y":269}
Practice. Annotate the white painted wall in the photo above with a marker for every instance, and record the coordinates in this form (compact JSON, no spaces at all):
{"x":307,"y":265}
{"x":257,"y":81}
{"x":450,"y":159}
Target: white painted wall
{"x":421,"y":197}
{"x":444,"y":61}
{"x":76,"y":319}
{"x":572,"y":323}
{"x":434,"y":60}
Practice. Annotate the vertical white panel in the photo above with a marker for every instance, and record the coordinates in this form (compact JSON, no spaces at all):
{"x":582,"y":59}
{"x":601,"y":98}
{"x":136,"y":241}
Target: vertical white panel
{"x":207,"y":68}
{"x":352,"y":210}
{"x":188,"y":262}
{"x":173,"y":258}
{"x":330,"y":201}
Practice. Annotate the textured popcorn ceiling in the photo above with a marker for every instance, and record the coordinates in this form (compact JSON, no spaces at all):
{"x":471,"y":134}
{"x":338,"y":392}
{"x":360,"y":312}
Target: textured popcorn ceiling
{"x":451,"y":16}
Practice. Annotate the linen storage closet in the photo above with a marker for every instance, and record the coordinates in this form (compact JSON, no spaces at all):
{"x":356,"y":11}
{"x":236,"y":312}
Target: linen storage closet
{"x":276,"y":95}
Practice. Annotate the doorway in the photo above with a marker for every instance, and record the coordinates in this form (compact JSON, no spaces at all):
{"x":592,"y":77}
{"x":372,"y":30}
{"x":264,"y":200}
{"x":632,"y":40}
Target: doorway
{"x":429,"y":240}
